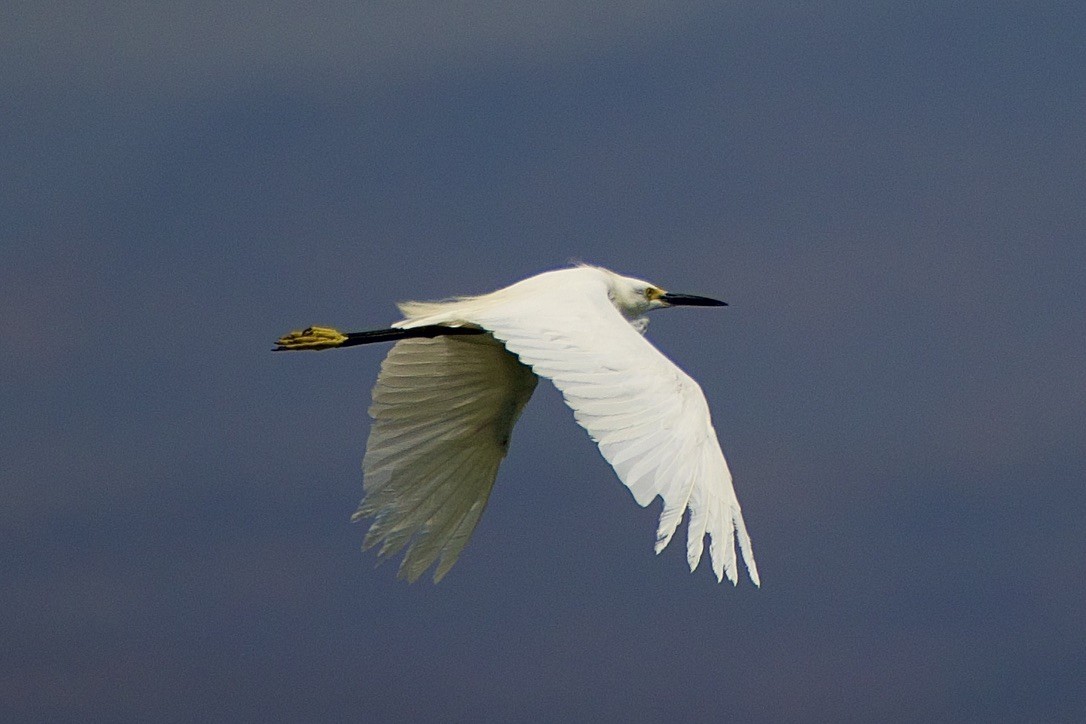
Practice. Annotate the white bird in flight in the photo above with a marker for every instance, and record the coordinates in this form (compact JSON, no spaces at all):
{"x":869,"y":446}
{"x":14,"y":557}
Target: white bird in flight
{"x":459,"y":375}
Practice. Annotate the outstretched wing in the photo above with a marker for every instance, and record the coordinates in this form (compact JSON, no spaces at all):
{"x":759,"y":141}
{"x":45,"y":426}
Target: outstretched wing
{"x":649,"y":418}
{"x":443,"y":410}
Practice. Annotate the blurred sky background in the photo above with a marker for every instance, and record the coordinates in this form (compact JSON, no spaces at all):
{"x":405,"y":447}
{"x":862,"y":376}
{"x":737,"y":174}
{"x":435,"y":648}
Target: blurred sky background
{"x":891,"y":196}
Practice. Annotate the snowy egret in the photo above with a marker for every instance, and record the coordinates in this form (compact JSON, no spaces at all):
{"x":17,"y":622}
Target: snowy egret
{"x":459,"y":375}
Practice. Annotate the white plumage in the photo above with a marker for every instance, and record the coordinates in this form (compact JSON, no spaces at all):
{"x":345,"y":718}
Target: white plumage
{"x":442,"y":412}
{"x":444,"y":407}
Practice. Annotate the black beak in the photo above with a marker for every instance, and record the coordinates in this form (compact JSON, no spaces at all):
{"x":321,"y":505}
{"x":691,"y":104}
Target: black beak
{"x":689,"y":300}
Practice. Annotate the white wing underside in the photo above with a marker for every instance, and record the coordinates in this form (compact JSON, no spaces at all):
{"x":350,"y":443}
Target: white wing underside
{"x":442,"y":411}
{"x":649,"y":419}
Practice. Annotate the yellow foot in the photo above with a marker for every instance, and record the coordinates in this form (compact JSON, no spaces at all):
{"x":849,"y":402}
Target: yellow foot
{"x":315,"y":338}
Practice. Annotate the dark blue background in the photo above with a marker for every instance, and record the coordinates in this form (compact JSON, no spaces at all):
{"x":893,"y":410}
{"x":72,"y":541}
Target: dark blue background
{"x":892,"y":199}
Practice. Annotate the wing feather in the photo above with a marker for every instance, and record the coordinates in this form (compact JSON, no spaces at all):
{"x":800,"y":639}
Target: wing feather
{"x":649,"y":418}
{"x":443,"y":410}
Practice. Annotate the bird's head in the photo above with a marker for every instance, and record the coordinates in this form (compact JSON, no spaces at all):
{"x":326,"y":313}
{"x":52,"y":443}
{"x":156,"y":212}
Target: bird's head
{"x":634,"y":297}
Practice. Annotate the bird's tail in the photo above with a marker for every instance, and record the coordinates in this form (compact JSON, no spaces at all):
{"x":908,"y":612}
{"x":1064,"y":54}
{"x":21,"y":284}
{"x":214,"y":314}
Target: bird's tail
{"x":318,"y":338}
